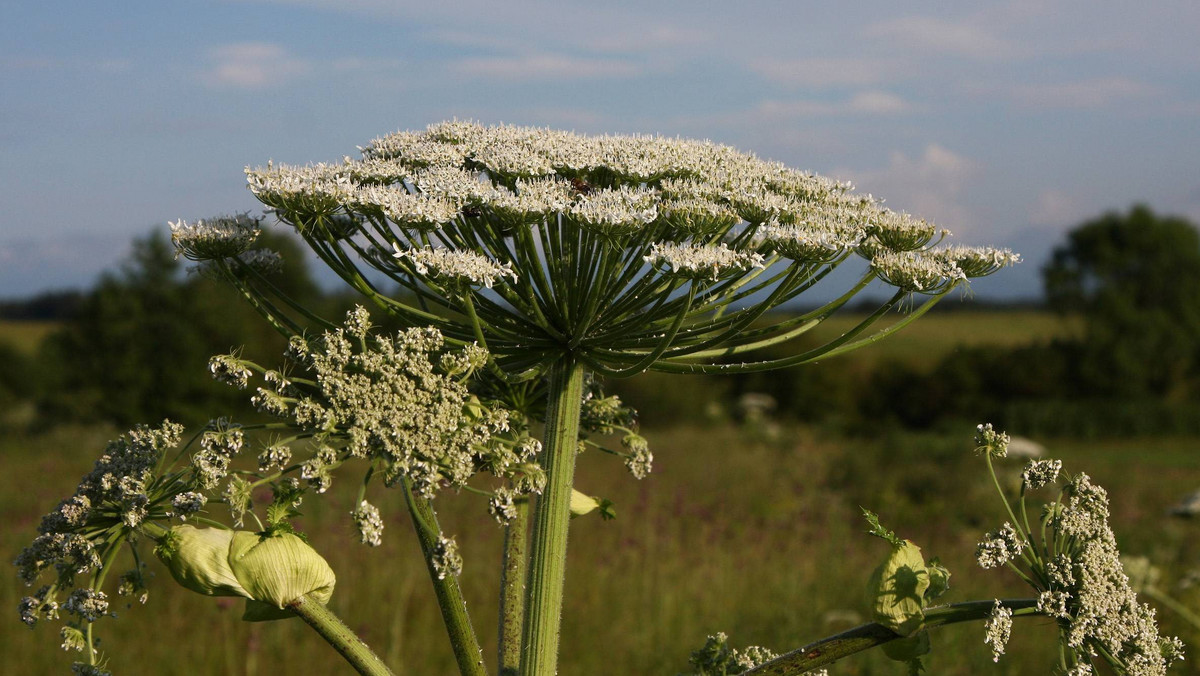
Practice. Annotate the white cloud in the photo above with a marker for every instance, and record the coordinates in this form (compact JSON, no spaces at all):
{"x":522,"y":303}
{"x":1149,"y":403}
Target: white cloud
{"x":1094,"y":93}
{"x":1056,"y":208}
{"x":648,"y":39}
{"x":944,"y":36}
{"x":870,"y":102}
{"x":929,"y":186}
{"x":544,"y":67}
{"x":823,"y":72}
{"x":252,"y":65}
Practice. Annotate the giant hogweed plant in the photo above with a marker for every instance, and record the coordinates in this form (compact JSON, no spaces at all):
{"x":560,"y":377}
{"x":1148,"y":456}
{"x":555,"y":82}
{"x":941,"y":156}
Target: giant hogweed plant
{"x":526,"y":265}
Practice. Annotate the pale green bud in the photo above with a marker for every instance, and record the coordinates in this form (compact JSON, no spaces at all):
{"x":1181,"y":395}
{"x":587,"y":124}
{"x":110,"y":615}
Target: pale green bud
{"x":897,"y":589}
{"x":280,"y":568}
{"x":270,"y":570}
{"x":198,"y":559}
{"x":582,"y":504}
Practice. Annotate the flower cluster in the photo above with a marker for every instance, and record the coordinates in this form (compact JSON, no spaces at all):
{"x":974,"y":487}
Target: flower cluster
{"x":215,"y":239}
{"x":124,"y":493}
{"x":700,"y":261}
{"x":464,"y":266}
{"x":997,"y":629}
{"x":716,"y":658}
{"x":1039,"y":473}
{"x":999,"y":547}
{"x":991,"y":441}
{"x":401,"y":401}
{"x":585,"y":239}
{"x":1077,"y":573}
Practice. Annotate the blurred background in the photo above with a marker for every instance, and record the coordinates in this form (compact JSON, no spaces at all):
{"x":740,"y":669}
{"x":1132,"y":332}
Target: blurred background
{"x":1065,"y":130}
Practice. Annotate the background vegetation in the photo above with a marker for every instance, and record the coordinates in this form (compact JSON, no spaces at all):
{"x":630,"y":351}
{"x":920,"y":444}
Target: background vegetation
{"x":749,"y":523}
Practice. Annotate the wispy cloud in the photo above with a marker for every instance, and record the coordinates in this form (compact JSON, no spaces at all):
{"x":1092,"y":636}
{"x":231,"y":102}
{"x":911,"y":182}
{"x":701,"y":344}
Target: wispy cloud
{"x":1057,"y":208}
{"x":870,"y":102}
{"x":1092,"y":93}
{"x":823,"y":72}
{"x":544,"y":66}
{"x":956,"y":38}
{"x":649,"y":38}
{"x":252,"y":65}
{"x":929,"y":185}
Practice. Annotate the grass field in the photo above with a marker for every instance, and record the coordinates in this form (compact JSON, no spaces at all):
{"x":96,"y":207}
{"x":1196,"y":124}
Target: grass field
{"x":762,"y":541}
{"x":931,"y":337}
{"x":920,"y":343}
{"x":25,"y":336}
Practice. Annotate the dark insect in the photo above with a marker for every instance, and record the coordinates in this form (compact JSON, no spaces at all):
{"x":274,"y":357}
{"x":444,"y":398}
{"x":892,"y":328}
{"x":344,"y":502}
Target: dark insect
{"x":472,"y":211}
{"x":581,"y":186}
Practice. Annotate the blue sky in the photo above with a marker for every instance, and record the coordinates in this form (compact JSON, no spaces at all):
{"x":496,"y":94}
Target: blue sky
{"x":1006,"y":122}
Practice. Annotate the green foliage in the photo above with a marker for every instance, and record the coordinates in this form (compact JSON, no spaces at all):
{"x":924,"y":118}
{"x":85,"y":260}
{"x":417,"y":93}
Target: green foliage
{"x":878,"y":530}
{"x":1136,"y":279}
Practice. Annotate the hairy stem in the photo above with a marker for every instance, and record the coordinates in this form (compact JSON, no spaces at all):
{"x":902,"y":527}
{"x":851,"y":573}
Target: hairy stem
{"x":858,"y":639}
{"x":512,"y":589}
{"x":338,"y":635}
{"x":463,"y":641}
{"x":548,"y":557}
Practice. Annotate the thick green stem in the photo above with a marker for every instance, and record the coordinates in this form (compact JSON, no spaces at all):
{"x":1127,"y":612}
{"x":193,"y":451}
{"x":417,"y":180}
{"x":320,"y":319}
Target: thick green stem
{"x":512,"y":589}
{"x":858,"y":639}
{"x":338,"y":635}
{"x":463,"y":641}
{"x":548,"y":558}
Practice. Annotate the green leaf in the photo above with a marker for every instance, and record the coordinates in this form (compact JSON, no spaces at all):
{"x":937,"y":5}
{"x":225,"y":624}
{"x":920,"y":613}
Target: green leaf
{"x":878,"y":530}
{"x":939,"y":579}
{"x":909,"y":649}
{"x":607,"y":511}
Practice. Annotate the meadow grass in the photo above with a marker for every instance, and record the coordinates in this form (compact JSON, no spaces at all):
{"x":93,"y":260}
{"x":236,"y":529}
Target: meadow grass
{"x":761,"y":540}
{"x":924,"y":342}
{"x":26,"y":335}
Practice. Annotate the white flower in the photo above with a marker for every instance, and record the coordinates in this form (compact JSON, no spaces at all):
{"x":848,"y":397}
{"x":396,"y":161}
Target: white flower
{"x":369,"y":523}
{"x":916,"y":271}
{"x":978,"y":261}
{"x":999,"y":547}
{"x":214,"y":239}
{"x":700,"y":261}
{"x":998,"y":628}
{"x":1039,"y":473}
{"x":457,"y":265}
{"x":445,"y":559}
{"x":615,"y":212}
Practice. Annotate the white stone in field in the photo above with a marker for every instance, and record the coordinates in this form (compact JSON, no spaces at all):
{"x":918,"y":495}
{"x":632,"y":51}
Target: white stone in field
{"x":1022,"y":447}
{"x":1189,"y":506}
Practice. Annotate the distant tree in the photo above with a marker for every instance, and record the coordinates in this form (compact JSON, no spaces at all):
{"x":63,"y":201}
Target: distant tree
{"x":52,"y":305}
{"x":1135,"y":279}
{"x":138,"y":346}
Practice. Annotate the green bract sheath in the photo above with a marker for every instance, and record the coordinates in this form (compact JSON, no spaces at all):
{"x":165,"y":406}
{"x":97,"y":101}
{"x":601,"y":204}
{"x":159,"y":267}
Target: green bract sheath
{"x":582,"y":503}
{"x":278,"y":569}
{"x":198,"y":559}
{"x":270,"y":570}
{"x":897,"y":589}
